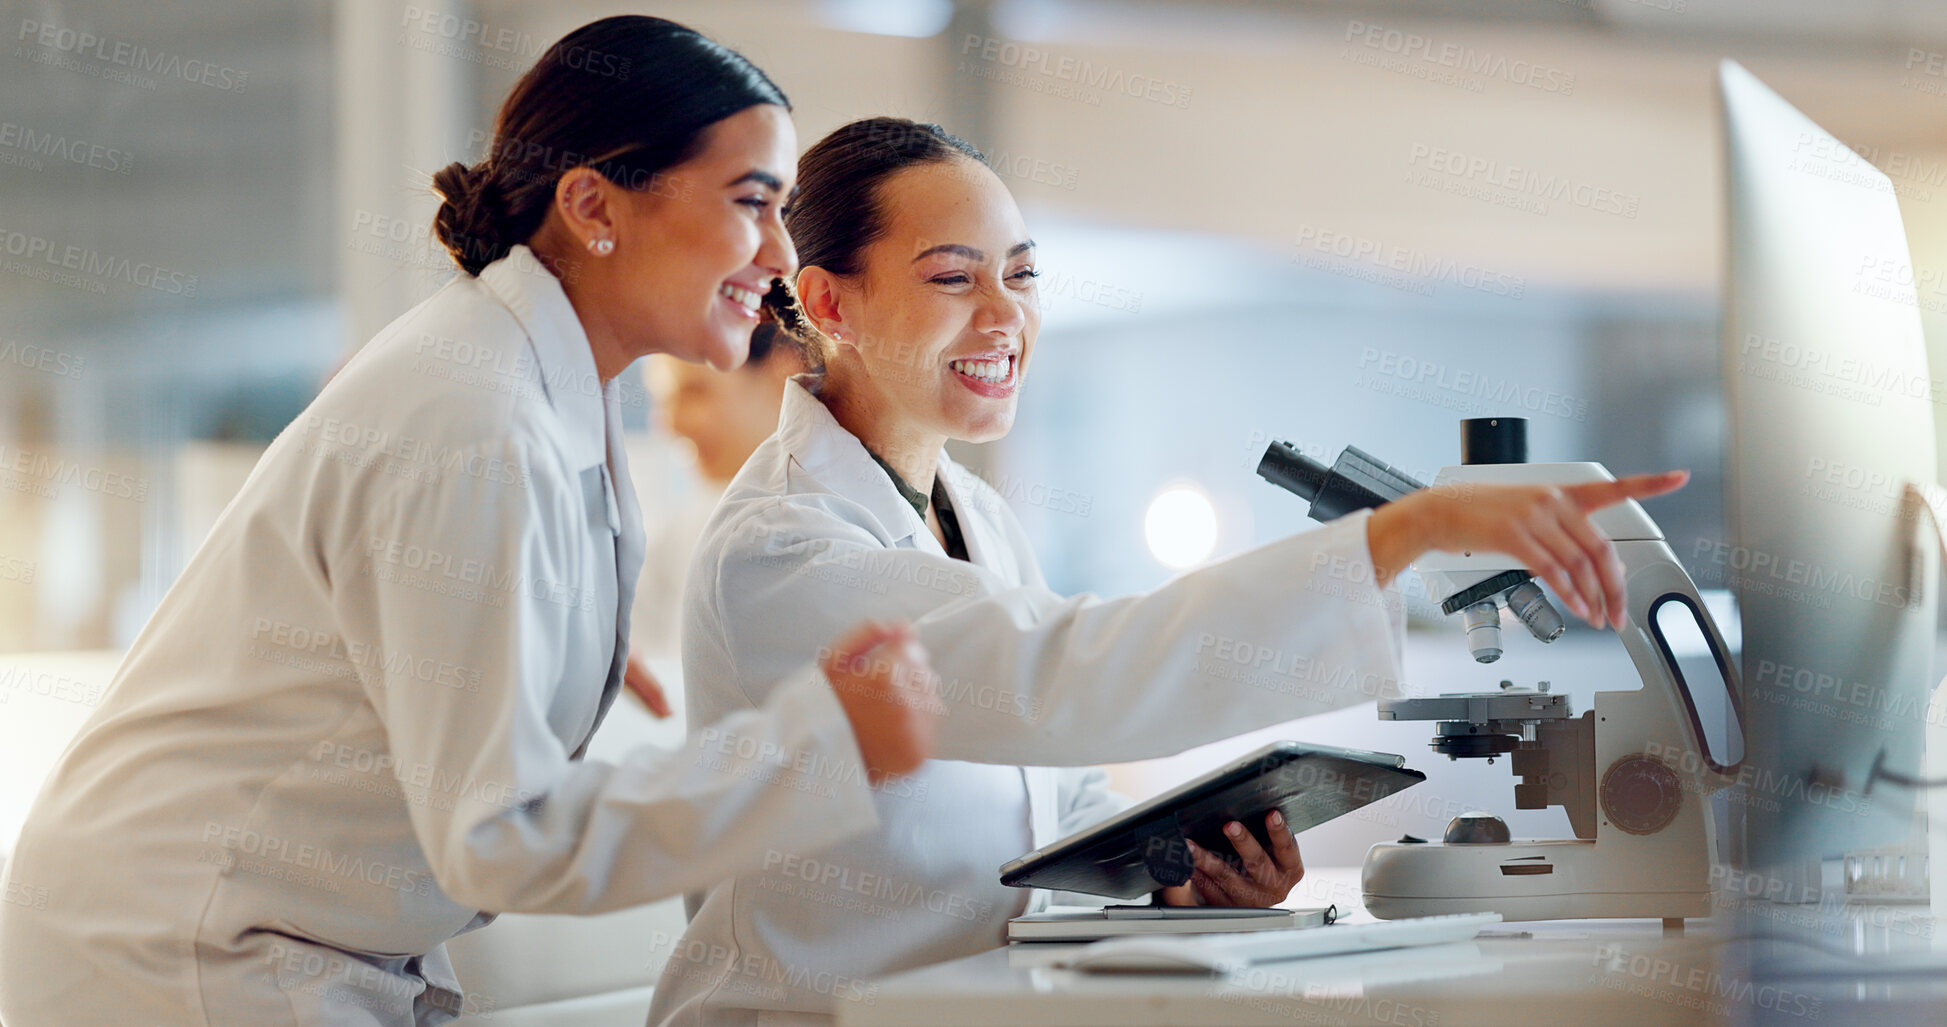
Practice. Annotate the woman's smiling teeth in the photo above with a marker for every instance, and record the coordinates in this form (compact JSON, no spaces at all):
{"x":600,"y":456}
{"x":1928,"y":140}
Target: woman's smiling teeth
{"x":743,"y":297}
{"x":995,"y":371}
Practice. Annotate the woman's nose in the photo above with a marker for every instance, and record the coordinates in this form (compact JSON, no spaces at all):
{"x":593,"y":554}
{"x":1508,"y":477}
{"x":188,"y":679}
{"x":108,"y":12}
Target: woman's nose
{"x":1003,"y":313}
{"x":776,"y":254}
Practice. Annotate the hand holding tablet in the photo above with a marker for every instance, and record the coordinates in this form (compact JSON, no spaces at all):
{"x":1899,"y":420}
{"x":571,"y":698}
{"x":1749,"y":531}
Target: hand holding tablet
{"x":1143,"y":849}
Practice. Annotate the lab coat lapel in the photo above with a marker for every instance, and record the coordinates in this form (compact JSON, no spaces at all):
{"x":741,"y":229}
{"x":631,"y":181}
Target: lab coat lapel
{"x":590,"y":411}
{"x":629,"y":547}
{"x":977,"y":516}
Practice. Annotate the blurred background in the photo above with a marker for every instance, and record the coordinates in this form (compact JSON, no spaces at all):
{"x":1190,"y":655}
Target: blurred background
{"x":1272,"y":219}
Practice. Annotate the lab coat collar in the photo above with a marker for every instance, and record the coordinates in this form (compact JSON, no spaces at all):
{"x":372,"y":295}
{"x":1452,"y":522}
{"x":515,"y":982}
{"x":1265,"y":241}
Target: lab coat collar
{"x":814,"y":440}
{"x":564,"y":362}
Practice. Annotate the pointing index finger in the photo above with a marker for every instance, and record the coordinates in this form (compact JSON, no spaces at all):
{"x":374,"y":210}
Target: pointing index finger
{"x":1595,"y":495}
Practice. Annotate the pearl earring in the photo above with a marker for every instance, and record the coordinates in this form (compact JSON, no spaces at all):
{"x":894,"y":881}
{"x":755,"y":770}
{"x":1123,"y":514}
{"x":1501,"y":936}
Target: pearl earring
{"x":601,"y":247}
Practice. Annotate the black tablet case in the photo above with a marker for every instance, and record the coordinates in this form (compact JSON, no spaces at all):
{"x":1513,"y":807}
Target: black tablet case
{"x":1142,"y":850}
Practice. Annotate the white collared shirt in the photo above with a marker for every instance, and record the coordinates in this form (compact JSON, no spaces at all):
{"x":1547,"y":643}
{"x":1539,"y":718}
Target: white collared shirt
{"x":352,"y":725}
{"x":812,"y":536}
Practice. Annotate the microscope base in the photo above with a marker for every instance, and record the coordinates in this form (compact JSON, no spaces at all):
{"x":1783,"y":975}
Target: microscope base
{"x":1546,"y":879}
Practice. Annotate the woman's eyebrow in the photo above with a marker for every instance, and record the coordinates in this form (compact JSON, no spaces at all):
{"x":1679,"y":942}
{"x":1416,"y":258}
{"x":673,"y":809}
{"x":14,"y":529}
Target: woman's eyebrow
{"x":971,"y":253}
{"x":954,"y":248}
{"x":761,"y":177}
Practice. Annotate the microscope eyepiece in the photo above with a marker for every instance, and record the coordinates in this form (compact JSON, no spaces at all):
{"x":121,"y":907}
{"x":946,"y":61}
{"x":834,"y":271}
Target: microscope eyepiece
{"x":1356,"y":481}
{"x":1292,"y":471}
{"x":1494,"y":440}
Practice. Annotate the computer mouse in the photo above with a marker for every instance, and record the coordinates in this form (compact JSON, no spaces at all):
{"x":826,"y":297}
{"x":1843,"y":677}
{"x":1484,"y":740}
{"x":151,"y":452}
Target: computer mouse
{"x":1150,"y":955}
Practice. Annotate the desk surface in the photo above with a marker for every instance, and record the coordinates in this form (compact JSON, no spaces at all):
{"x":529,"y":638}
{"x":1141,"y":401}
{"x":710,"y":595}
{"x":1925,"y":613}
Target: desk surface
{"x":1586,"y":973}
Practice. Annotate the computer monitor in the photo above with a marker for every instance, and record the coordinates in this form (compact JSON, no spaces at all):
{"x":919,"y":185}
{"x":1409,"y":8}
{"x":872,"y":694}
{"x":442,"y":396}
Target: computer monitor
{"x":1831,"y":414}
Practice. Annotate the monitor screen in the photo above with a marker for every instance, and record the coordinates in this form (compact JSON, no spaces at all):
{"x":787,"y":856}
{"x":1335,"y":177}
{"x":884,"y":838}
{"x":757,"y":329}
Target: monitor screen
{"x":1831,"y":408}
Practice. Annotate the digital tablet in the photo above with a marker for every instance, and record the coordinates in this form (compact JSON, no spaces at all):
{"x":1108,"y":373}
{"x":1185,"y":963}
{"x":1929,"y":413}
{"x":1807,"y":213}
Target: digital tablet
{"x":1141,"y":849}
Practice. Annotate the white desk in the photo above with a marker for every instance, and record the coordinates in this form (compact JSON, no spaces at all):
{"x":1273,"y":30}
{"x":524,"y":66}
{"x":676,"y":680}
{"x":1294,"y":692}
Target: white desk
{"x":1585,"y":973}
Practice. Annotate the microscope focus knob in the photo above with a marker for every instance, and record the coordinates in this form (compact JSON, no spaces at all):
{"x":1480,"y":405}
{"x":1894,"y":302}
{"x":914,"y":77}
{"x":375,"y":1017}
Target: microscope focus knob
{"x":1640,"y":794}
{"x":1477,"y":829}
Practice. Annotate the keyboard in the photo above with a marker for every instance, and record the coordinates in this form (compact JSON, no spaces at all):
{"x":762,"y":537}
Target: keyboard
{"x":1228,"y":952}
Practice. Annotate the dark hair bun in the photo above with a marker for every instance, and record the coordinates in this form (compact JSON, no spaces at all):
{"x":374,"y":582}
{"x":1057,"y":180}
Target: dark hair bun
{"x":468,"y":223}
{"x":787,"y":323}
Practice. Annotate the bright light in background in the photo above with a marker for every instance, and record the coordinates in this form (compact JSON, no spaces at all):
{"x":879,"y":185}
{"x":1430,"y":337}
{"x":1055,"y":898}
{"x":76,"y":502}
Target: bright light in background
{"x":1180,"y":526}
{"x":915,"y":18}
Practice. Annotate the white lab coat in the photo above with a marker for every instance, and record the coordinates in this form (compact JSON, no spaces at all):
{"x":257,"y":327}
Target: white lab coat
{"x":812,"y":534}
{"x":351,"y":730}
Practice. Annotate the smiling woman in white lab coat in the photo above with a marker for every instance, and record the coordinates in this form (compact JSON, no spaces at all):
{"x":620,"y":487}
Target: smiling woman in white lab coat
{"x":917,"y":300}
{"x":353,"y":728}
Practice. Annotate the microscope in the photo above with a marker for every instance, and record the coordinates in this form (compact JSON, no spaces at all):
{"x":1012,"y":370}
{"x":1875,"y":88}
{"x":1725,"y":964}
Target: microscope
{"x":1633,"y":773}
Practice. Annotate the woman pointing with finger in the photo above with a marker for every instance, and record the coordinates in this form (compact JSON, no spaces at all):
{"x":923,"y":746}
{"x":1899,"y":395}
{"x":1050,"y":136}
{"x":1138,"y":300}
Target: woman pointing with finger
{"x":918,"y":310}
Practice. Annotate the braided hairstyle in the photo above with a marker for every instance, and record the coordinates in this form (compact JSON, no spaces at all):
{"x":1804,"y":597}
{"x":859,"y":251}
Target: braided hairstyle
{"x":629,"y":96}
{"x":836,"y":212}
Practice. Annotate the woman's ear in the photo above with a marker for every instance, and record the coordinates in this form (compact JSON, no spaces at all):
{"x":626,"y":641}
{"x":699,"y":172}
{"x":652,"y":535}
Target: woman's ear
{"x":818,"y":297}
{"x":582,"y":198}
